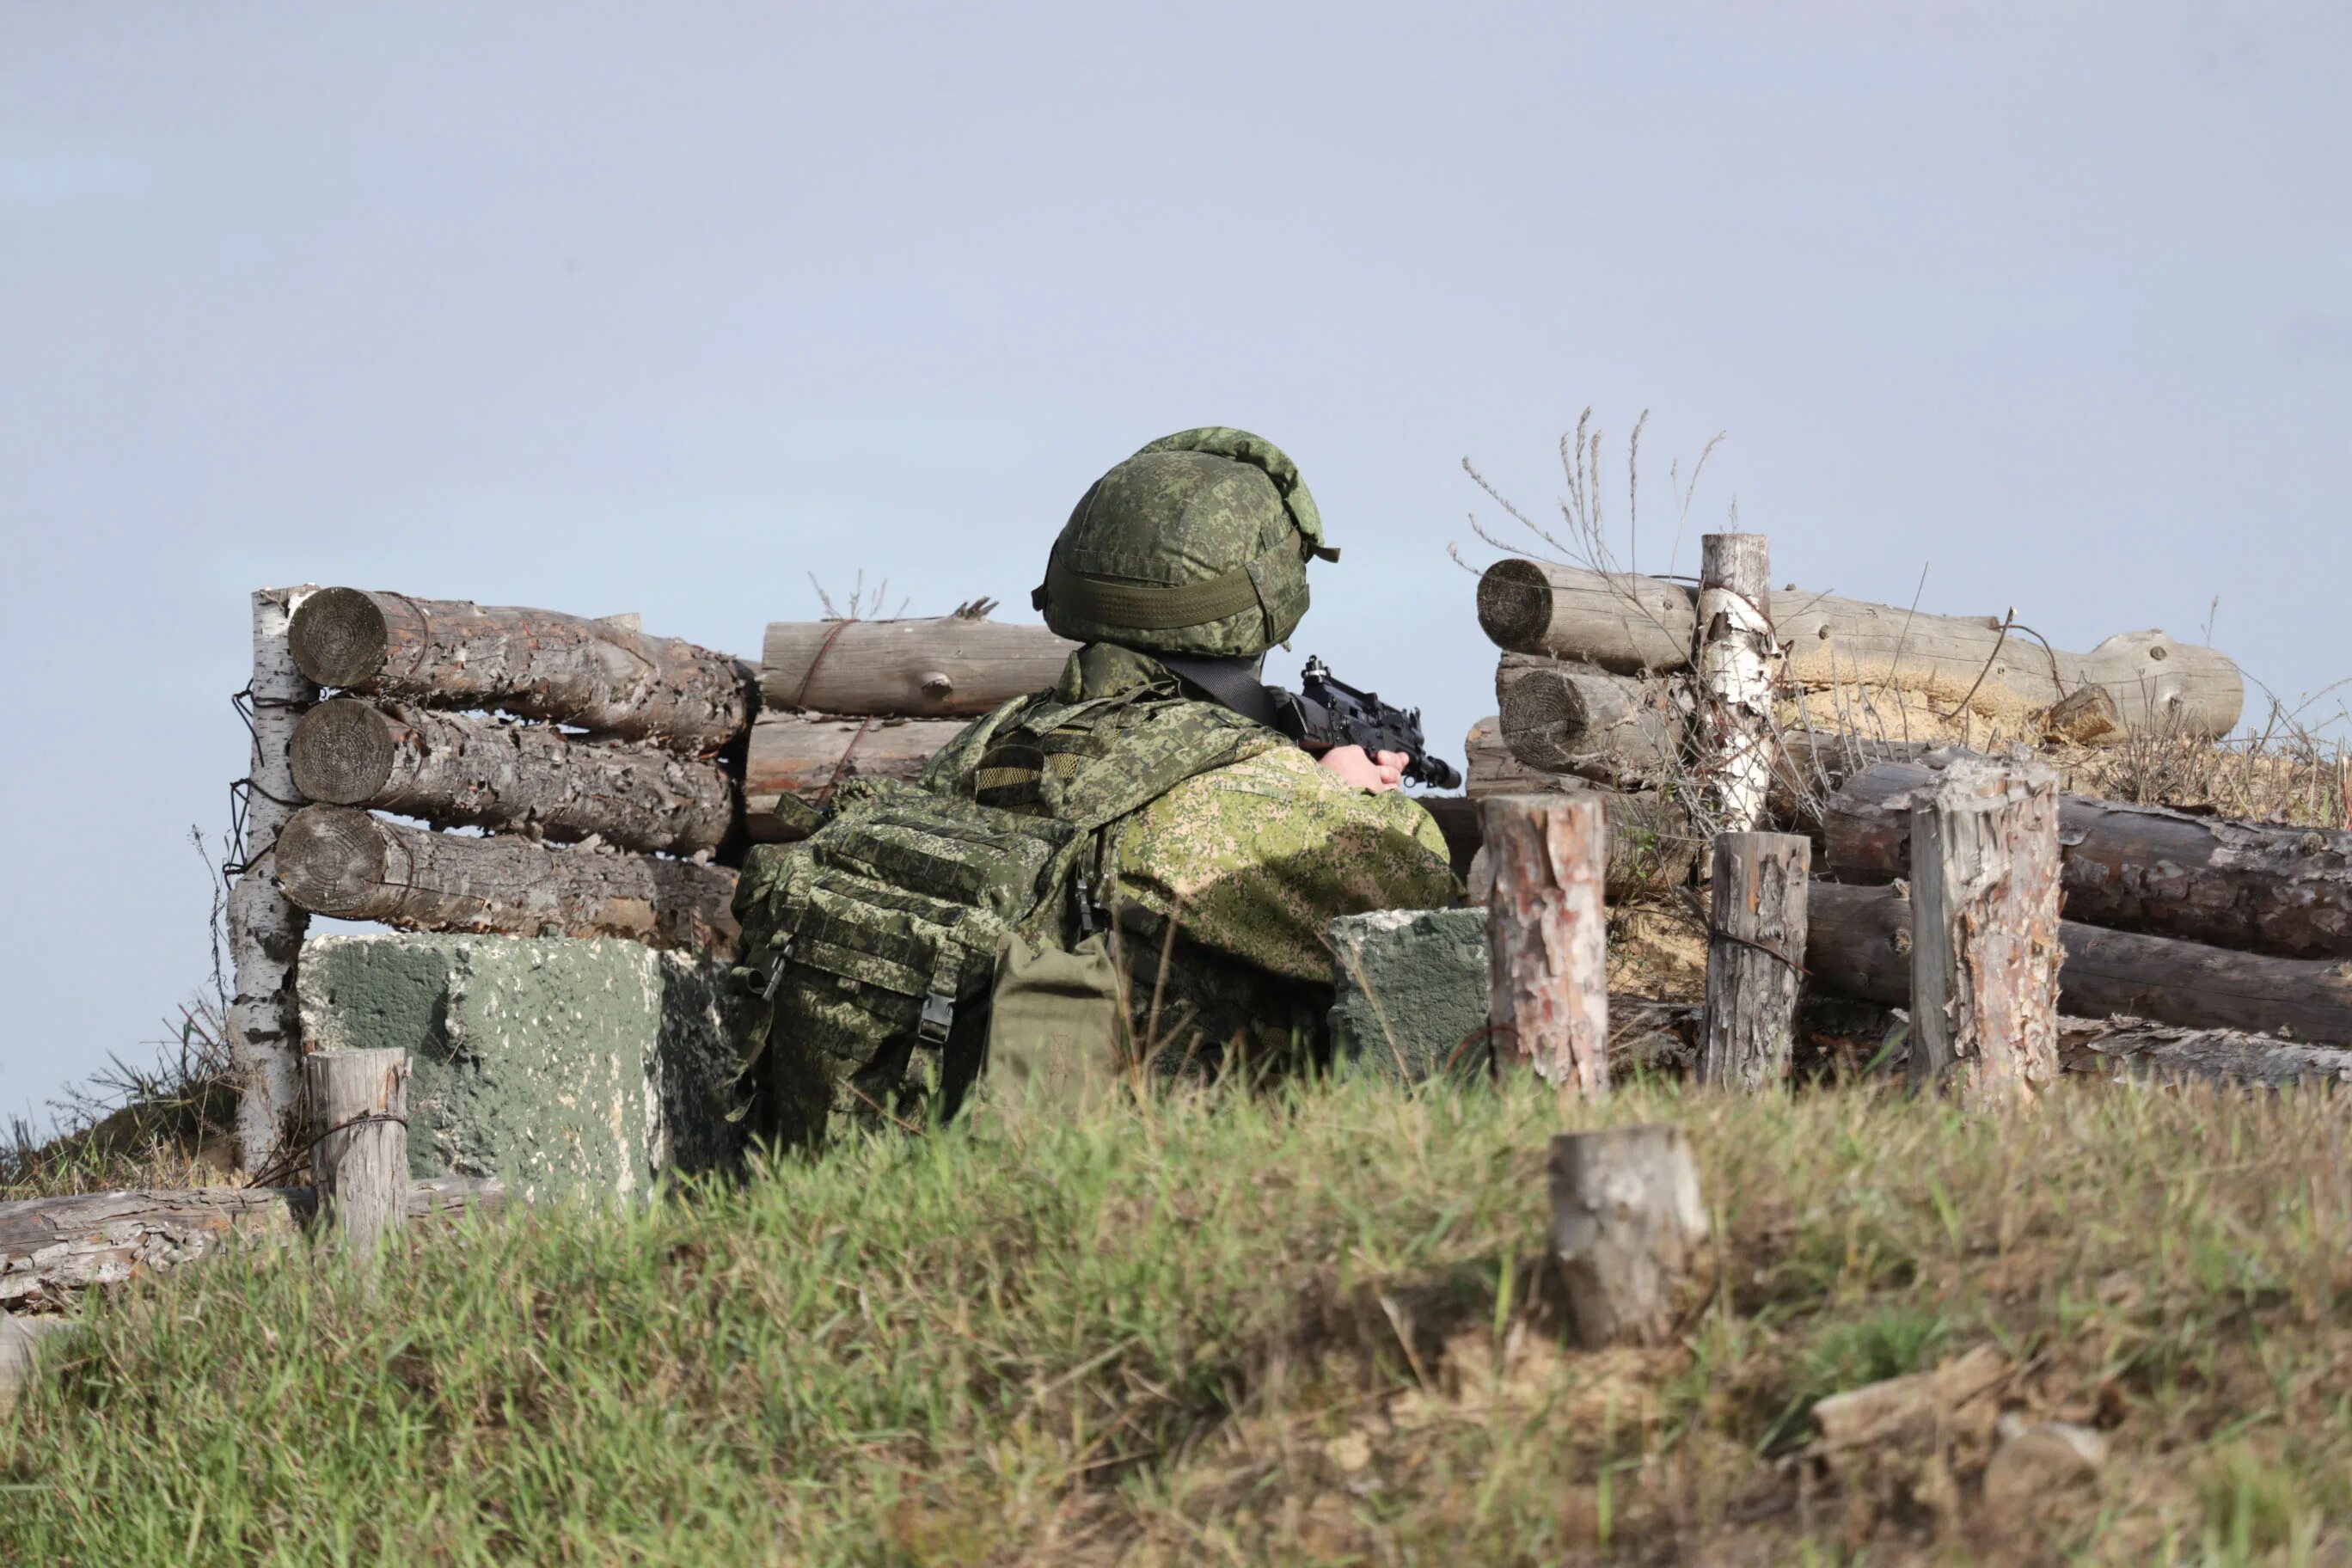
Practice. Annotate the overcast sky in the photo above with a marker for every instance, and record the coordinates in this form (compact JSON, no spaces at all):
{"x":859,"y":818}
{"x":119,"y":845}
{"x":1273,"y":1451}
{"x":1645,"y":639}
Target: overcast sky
{"x":612,"y":308}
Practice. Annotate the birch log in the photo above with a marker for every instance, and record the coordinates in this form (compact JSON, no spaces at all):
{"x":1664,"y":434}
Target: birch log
{"x":1612,"y":729}
{"x":2261,"y":885}
{"x":265,"y":929}
{"x":359,"y":1143}
{"x":333,"y":861}
{"x":53,"y":1249}
{"x":1630,"y":1230}
{"x":1755,"y":958}
{"x":604,"y":676}
{"x":1986,"y":946}
{"x":797,"y":762}
{"x":1633,"y":623}
{"x":1739,"y":664}
{"x":940,"y":668}
{"x":1547,"y":940}
{"x":474,"y":770}
{"x":1859,"y":939}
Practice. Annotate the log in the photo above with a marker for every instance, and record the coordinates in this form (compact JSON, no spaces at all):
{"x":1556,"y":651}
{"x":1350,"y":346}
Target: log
{"x":1633,"y":624}
{"x":1859,"y":943}
{"x":2130,"y":1048}
{"x":1985,"y":946}
{"x":1547,"y":939}
{"x":1630,"y":1230}
{"x":1755,"y":957}
{"x":333,"y":861}
{"x":796,"y":763}
{"x":52,"y":1250}
{"x":2263,"y":887}
{"x":1739,"y":664}
{"x":943,"y":667}
{"x":265,"y":928}
{"x":359,"y":1143}
{"x":1651,"y":841}
{"x":604,"y":676}
{"x":1612,"y":729}
{"x":1620,"y":620}
{"x":474,"y":770}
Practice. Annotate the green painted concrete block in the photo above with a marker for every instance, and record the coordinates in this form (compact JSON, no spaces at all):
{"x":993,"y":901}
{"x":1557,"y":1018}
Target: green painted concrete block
{"x":568,"y":1067}
{"x":1411,"y":991}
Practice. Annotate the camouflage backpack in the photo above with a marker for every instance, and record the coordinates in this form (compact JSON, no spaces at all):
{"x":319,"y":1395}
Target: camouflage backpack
{"x":875,"y":947}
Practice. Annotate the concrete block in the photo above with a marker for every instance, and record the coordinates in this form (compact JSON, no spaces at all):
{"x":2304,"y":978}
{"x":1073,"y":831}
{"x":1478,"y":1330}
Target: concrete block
{"x":1410,"y":991}
{"x":568,"y":1067}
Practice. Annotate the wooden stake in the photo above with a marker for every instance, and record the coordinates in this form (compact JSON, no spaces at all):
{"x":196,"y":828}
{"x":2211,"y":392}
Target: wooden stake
{"x":265,"y":928}
{"x":1986,"y":944}
{"x":1739,"y":664}
{"x":359,"y":1160}
{"x":1755,"y":958}
{"x":1546,"y":937}
{"x":1628,"y":1225}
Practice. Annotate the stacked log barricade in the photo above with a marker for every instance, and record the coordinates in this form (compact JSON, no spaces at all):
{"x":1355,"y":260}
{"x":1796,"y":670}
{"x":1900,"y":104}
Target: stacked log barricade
{"x":2193,"y":941}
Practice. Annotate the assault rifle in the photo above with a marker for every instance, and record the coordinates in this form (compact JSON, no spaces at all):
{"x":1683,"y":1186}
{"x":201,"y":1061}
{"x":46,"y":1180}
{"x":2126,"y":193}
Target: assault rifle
{"x":1325,"y":713}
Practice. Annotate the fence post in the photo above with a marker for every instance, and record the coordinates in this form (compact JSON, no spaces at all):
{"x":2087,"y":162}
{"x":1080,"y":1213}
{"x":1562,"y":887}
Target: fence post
{"x":265,"y":931}
{"x":1628,"y":1223}
{"x":359,"y":1162}
{"x":1985,"y":943}
{"x":1739,"y":662}
{"x":1755,"y":957}
{"x":1547,"y":938}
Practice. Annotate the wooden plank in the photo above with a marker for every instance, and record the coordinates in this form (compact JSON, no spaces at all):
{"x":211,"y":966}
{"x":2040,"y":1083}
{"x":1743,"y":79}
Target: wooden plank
{"x":934,"y":667}
{"x":476,"y":770}
{"x":2264,"y":887}
{"x":604,"y":676}
{"x":333,"y":861}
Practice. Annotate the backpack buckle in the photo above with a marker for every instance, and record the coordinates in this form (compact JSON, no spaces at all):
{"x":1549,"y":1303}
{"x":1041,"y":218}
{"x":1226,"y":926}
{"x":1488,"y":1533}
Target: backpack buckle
{"x":776,"y":970}
{"x":938,"y":1013}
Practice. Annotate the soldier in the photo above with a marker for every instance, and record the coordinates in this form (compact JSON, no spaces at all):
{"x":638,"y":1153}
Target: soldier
{"x":1178,"y":571}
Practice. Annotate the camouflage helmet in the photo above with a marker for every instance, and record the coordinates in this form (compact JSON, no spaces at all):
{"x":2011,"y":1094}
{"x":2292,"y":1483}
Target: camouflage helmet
{"x":1196,"y":544}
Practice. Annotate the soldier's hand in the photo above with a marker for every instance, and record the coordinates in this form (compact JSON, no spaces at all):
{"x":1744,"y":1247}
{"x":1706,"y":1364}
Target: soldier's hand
{"x":1380,"y":773}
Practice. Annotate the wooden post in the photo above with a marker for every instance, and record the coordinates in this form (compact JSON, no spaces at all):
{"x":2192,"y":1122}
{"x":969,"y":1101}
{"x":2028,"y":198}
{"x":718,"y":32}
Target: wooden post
{"x":1985,"y":945}
{"x":1627,"y":1224}
{"x":359,"y":1162}
{"x":1739,"y":662}
{"x":265,"y":928}
{"x":1547,"y":940}
{"x":1755,"y":958}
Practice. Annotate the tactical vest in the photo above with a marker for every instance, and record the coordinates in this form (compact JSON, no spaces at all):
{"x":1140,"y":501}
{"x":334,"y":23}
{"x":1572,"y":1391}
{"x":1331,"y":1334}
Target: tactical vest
{"x":875,"y":949}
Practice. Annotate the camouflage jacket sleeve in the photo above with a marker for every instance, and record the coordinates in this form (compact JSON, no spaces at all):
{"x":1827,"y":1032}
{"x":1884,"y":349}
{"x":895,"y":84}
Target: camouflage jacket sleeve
{"x":1254,"y":858}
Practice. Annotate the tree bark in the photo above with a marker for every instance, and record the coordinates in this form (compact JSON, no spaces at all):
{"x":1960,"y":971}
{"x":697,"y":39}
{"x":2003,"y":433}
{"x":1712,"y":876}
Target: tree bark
{"x":1739,"y":664}
{"x":1652,"y":842}
{"x":2127,"y":1048}
{"x":796,"y":763}
{"x":265,"y":929}
{"x":941,"y":668}
{"x":1631,"y":623}
{"x":1612,"y":729}
{"x":333,"y":861}
{"x":1985,"y":949}
{"x":1547,"y":939}
{"x":51,"y":1249}
{"x":1630,"y":1228}
{"x":472,"y":770}
{"x":2259,"y":886}
{"x":359,"y":1143}
{"x":603,"y":676}
{"x":1860,"y":944}
{"x":1755,"y":958}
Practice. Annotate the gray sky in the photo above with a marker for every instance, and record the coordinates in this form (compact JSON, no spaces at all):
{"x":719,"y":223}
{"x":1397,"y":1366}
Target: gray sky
{"x":608,"y":308}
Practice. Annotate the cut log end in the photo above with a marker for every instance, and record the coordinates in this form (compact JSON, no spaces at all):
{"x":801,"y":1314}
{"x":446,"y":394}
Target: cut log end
{"x":1514,"y":605}
{"x":331,"y":860}
{"x":338,"y":636}
{"x":342,"y":752}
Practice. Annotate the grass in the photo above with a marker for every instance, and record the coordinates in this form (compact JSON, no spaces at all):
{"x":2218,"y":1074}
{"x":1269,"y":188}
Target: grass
{"x":1315,"y":1325}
